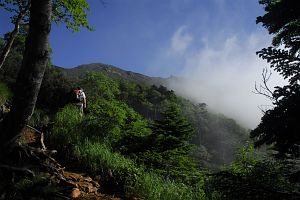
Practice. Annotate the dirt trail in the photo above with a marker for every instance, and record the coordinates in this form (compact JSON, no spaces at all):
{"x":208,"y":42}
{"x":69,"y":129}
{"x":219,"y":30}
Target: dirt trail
{"x":77,"y":185}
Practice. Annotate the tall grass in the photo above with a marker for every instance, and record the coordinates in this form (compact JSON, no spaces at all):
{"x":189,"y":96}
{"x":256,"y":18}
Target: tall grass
{"x":5,"y":93}
{"x":67,"y":126}
{"x":152,"y":186}
{"x":99,"y":158}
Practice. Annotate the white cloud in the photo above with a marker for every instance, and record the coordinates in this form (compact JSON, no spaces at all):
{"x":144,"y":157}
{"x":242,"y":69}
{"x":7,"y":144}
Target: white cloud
{"x":180,"y":41}
{"x":223,"y":75}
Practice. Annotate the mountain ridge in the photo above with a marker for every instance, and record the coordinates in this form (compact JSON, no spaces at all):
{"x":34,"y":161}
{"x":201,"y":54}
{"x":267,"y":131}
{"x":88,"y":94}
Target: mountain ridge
{"x":114,"y":72}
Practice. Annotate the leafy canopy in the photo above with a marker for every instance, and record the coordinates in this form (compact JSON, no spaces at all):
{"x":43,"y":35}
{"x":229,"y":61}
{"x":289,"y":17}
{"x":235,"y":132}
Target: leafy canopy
{"x":71,"y":12}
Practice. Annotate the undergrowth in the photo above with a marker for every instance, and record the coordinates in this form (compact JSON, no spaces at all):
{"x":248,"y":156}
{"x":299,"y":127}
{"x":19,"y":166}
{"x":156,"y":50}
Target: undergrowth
{"x":5,"y":93}
{"x":40,"y":186}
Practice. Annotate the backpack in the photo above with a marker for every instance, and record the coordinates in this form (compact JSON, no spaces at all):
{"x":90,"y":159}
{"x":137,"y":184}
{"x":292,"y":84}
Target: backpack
{"x":80,"y":96}
{"x":75,"y":98}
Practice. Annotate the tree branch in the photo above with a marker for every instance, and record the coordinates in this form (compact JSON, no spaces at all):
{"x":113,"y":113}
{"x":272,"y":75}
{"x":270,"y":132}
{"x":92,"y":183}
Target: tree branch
{"x":22,"y":169}
{"x":13,"y":34}
{"x":42,"y":136}
{"x":263,"y":89}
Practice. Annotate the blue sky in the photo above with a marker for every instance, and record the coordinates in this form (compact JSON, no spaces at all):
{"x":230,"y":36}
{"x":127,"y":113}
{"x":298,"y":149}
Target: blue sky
{"x":212,"y":43}
{"x":135,"y":34}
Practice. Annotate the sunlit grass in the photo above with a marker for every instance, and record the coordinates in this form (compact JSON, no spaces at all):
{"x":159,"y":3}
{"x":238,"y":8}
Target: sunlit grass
{"x":99,"y":157}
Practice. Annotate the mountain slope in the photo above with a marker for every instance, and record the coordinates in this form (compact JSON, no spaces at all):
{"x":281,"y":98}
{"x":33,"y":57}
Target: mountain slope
{"x":217,"y":135}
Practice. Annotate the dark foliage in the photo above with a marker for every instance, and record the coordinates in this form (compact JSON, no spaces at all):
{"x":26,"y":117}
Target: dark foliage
{"x":282,"y":20}
{"x":10,"y":69}
{"x":279,"y":126}
{"x":253,"y":176}
{"x":235,"y":187}
{"x":172,"y":131}
{"x":55,"y":91}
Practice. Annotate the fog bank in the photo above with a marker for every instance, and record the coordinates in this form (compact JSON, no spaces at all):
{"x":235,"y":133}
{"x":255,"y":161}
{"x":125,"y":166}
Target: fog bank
{"x":223,"y":74}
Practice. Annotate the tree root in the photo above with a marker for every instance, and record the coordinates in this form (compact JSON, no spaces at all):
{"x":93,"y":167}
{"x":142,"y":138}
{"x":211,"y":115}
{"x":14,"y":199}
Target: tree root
{"x":18,"y":169}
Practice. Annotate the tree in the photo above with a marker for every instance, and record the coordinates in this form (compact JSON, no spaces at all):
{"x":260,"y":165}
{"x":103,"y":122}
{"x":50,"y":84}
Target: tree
{"x":280,"y":126}
{"x":54,"y":90}
{"x":12,"y":64}
{"x":71,"y":12}
{"x":172,"y":131}
{"x":35,"y":59}
{"x":21,"y":9}
{"x":31,"y":73}
{"x":282,"y":20}
{"x":97,"y":85}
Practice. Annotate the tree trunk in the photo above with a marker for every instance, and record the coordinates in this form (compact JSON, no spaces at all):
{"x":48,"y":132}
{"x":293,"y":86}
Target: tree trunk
{"x":31,"y":74}
{"x":13,"y":34}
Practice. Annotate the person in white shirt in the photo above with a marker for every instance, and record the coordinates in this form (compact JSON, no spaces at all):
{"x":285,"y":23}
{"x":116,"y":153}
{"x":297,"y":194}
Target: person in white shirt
{"x":81,"y":99}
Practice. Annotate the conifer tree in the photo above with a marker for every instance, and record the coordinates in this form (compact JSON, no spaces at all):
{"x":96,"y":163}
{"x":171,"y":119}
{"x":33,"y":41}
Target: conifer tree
{"x":172,"y":131}
{"x":168,"y":149}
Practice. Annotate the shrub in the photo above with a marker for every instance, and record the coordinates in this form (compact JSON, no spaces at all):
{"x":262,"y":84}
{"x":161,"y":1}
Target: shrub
{"x":252,"y":176}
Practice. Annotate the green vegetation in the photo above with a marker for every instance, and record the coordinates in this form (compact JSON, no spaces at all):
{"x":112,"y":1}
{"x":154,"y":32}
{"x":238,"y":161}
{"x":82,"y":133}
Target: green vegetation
{"x":253,"y":176}
{"x":147,"y":142}
{"x":139,"y":136}
{"x":145,"y":138}
{"x":166,"y":150}
{"x":38,"y":187}
{"x":5,"y":93}
{"x":70,"y":133}
{"x":13,"y":61}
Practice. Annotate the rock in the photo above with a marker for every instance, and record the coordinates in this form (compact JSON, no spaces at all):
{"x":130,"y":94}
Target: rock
{"x":75,"y":193}
{"x":84,"y":185}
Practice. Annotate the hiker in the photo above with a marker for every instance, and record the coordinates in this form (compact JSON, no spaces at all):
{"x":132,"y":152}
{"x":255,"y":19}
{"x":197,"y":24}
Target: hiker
{"x":80,"y":99}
